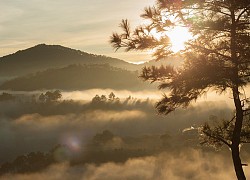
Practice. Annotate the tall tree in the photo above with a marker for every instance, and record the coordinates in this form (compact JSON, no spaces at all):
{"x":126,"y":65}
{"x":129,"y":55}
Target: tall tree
{"x":217,"y":58}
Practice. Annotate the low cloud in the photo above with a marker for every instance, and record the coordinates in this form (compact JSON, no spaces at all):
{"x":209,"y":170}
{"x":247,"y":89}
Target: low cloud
{"x":89,"y":94}
{"x":187,"y":164}
{"x":40,"y":132}
{"x":35,"y":121}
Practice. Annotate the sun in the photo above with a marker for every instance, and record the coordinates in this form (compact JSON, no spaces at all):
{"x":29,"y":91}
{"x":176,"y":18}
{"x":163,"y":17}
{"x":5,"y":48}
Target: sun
{"x":178,"y":36}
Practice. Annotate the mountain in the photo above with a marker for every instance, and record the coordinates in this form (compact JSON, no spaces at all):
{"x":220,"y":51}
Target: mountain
{"x":42,"y":57}
{"x":78,"y":77}
{"x":175,"y":61}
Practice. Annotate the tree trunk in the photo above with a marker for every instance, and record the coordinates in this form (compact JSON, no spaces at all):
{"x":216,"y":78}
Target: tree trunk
{"x":236,"y":136}
{"x":237,"y":164}
{"x":236,"y":96}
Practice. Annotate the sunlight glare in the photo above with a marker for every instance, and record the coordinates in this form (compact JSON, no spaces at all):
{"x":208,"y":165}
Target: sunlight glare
{"x":138,"y":62}
{"x":178,"y":36}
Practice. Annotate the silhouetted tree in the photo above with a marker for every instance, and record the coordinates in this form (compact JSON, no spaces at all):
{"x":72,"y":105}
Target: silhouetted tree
{"x":42,"y":98}
{"x":96,"y":99}
{"x":217,"y":58}
{"x":53,"y":96}
{"x":99,"y":99}
{"x":221,"y":133}
{"x":111,"y":96}
{"x":103,"y":137}
{"x":32,"y":162}
{"x":50,"y":96}
{"x":103,"y":98}
{"x":6,"y":97}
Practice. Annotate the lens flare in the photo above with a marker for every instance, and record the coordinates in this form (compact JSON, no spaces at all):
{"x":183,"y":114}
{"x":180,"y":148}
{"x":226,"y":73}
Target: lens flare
{"x":73,"y":142}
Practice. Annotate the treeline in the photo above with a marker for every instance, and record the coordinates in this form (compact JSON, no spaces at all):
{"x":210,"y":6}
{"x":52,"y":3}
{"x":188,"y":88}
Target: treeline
{"x":102,"y":148}
{"x":52,"y":103}
{"x":6,"y":97}
{"x":32,"y":162}
{"x":77,"y":77}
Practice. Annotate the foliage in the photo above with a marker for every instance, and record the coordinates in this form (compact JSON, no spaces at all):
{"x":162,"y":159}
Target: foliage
{"x":104,"y":99}
{"x":208,"y":57}
{"x":6,"y":97}
{"x":77,"y":77}
{"x":31,"y":162}
{"x":221,"y":133}
{"x":103,"y":137}
{"x":50,"y":96}
{"x":42,"y":57}
{"x":94,"y":151}
{"x":217,"y":58}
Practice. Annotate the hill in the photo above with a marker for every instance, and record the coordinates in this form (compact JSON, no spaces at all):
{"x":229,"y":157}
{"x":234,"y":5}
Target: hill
{"x":77,"y":77}
{"x":42,"y":57}
{"x":172,"y":61}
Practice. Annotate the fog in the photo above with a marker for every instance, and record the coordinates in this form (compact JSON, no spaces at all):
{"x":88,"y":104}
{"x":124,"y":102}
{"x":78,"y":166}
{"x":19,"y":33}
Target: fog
{"x":87,"y":95}
{"x":145,"y":145}
{"x":38,"y":127}
{"x":188,"y":164}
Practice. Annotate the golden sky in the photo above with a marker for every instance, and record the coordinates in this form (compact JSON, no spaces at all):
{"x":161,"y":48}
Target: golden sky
{"x":80,"y":24}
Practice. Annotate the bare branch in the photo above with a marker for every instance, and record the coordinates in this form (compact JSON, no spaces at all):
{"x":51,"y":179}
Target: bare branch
{"x":243,"y":11}
{"x":217,"y":138}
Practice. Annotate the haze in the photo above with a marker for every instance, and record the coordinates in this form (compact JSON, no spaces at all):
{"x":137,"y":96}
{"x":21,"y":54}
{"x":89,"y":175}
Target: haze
{"x":80,"y":24}
{"x":74,"y":104}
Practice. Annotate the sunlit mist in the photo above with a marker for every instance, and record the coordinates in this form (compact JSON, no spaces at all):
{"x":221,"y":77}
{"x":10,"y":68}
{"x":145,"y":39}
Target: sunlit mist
{"x":138,"y":62}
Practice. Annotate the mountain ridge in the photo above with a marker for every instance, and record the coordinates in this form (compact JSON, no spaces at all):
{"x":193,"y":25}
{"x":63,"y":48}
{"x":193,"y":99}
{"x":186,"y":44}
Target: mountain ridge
{"x":43,"y":56}
{"x":75,"y":77}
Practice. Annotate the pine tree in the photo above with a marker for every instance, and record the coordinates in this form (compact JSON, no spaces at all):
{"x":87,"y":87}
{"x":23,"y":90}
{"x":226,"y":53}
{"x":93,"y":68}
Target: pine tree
{"x":217,"y":58}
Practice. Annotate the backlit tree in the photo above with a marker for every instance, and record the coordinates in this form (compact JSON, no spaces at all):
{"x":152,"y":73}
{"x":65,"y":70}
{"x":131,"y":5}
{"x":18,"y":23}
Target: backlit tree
{"x":217,"y":58}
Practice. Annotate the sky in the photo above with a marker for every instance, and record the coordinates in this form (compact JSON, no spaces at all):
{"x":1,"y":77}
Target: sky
{"x":80,"y":24}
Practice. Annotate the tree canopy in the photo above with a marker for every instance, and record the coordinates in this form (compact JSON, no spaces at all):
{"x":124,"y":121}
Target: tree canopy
{"x":50,"y":96}
{"x":216,"y":58}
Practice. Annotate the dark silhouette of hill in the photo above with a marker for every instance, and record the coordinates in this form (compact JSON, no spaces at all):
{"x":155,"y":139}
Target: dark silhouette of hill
{"x":42,"y":57}
{"x":78,"y":77}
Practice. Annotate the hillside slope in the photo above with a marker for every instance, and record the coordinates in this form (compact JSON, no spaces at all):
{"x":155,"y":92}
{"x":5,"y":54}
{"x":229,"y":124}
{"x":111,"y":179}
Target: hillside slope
{"x":42,"y":57}
{"x":77,"y":77}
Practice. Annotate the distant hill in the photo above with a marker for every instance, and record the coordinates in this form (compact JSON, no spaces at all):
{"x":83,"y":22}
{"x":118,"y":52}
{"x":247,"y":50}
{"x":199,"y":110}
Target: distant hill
{"x":42,"y":57}
{"x":77,"y":77}
{"x":172,"y":61}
